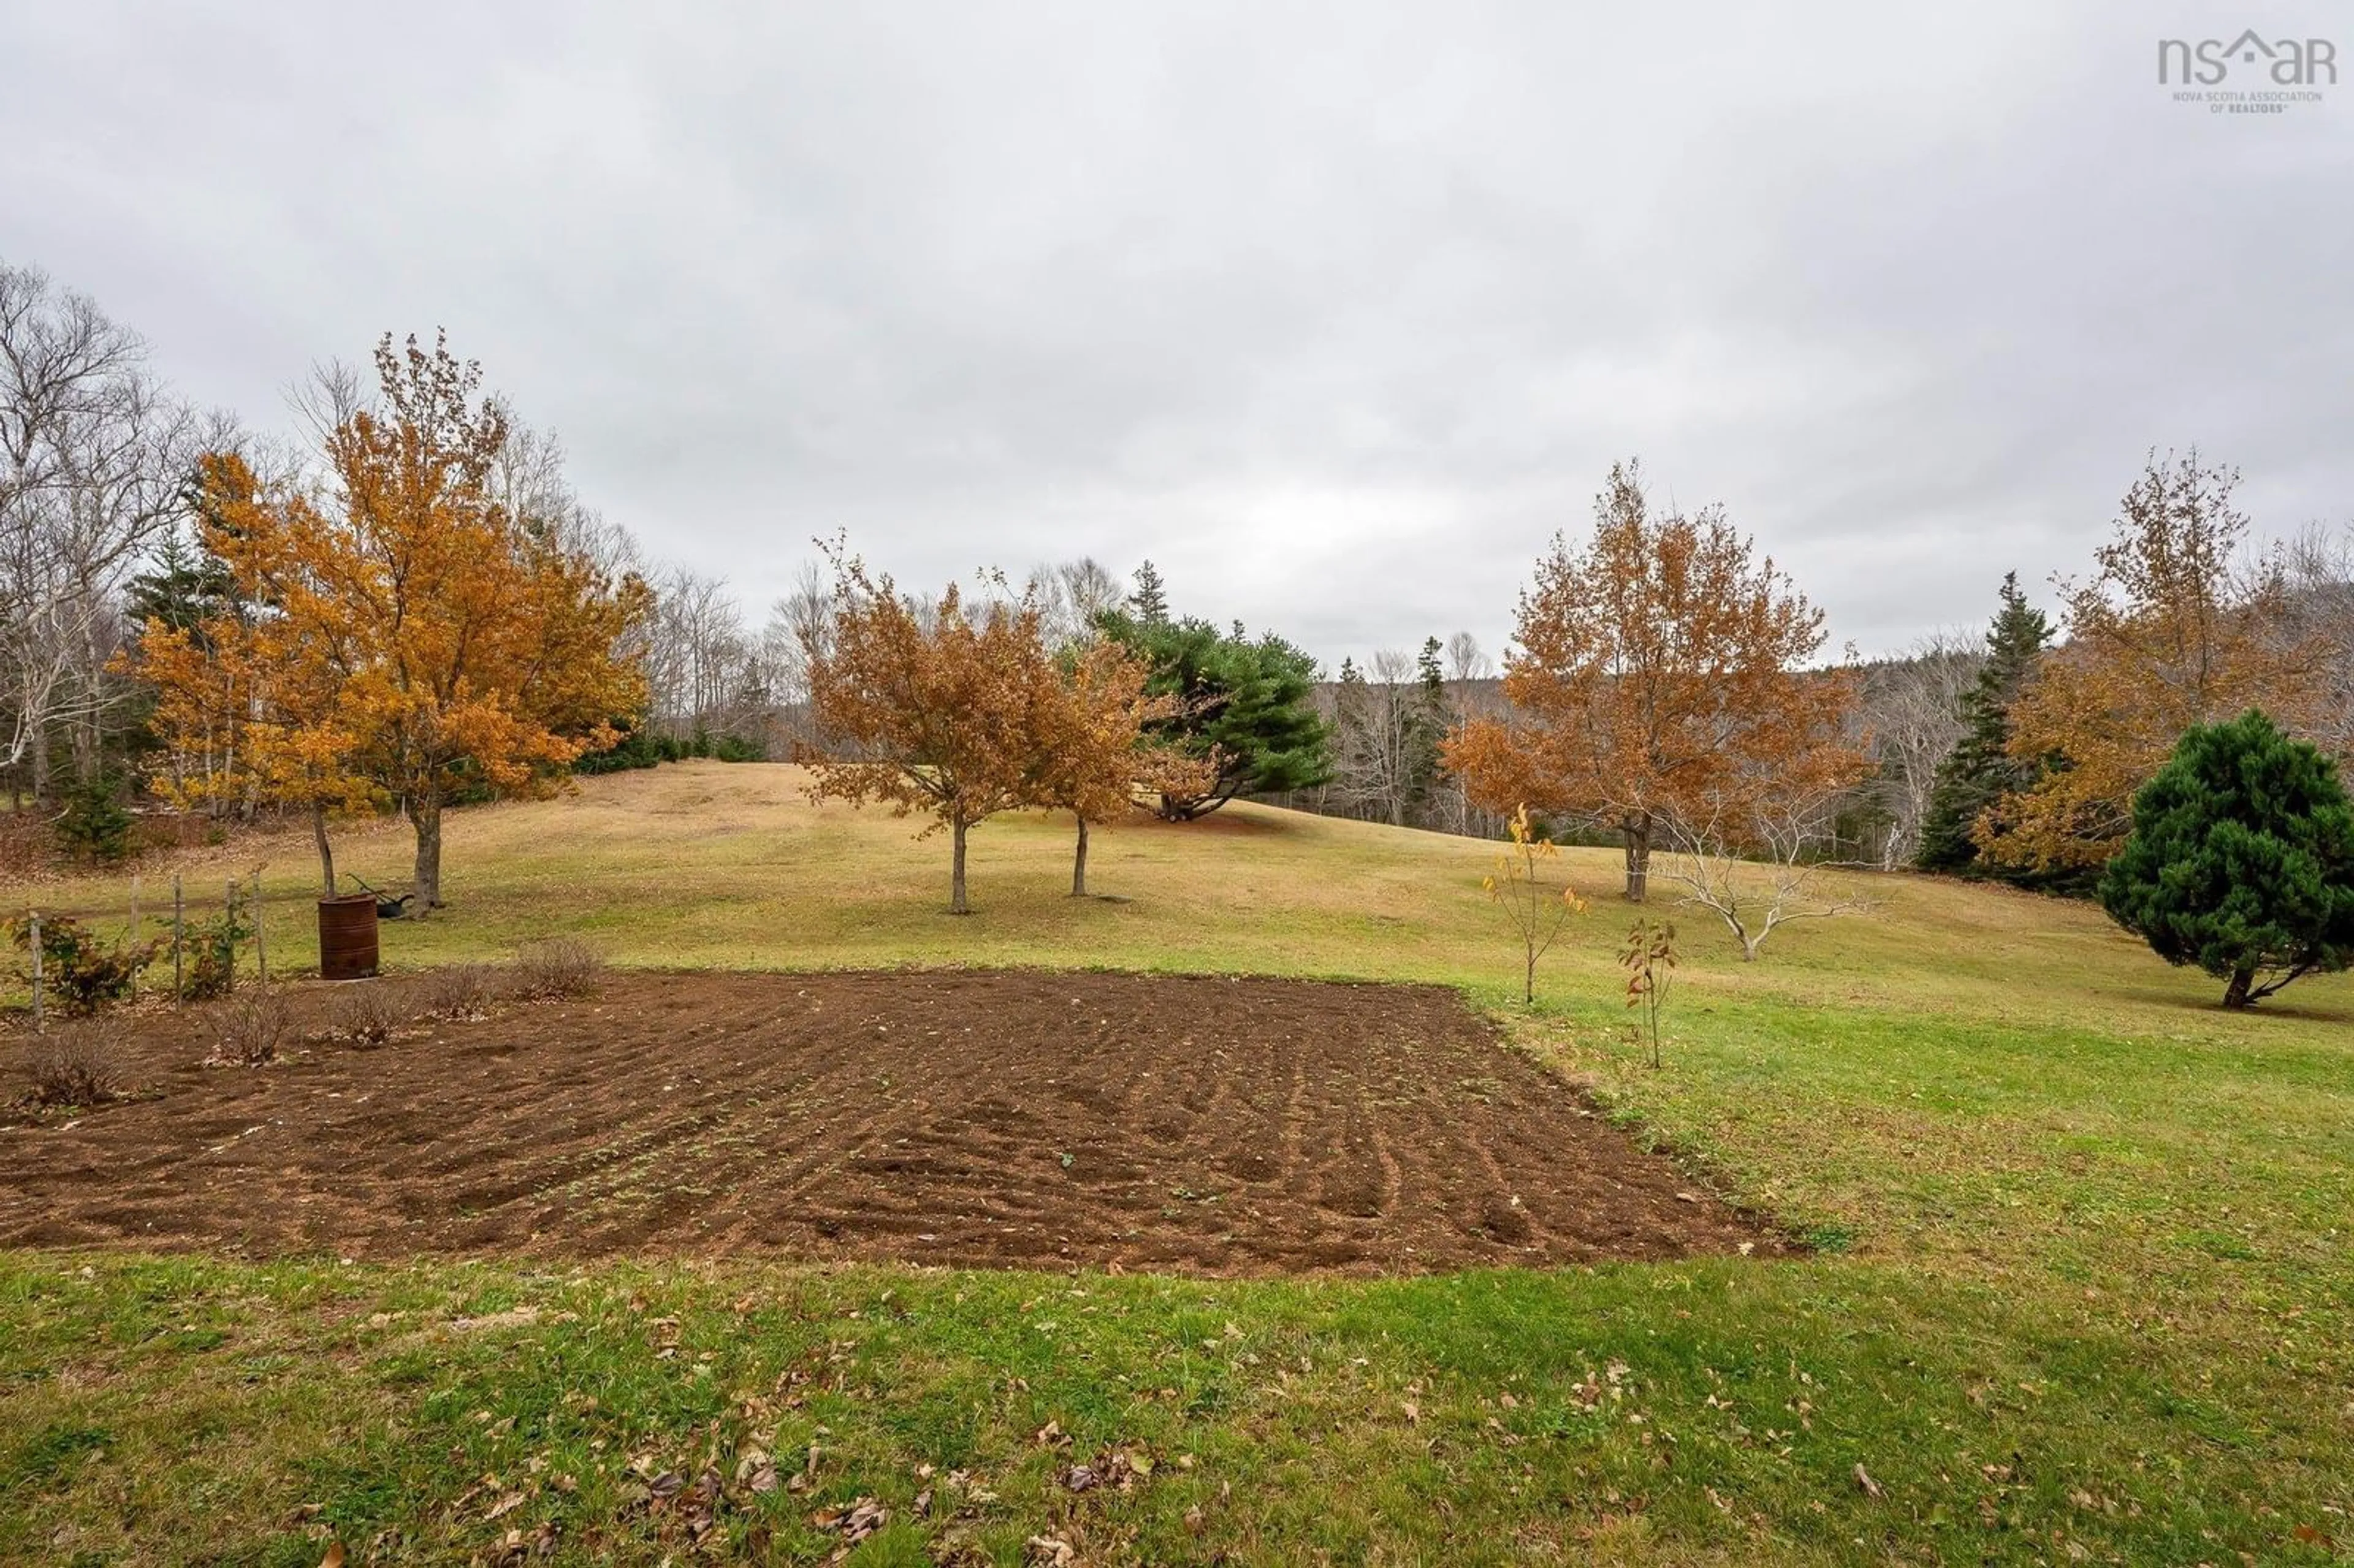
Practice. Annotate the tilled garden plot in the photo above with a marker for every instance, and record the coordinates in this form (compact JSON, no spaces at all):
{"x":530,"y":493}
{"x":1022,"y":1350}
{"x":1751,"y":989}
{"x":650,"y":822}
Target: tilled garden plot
{"x":992,"y":1118}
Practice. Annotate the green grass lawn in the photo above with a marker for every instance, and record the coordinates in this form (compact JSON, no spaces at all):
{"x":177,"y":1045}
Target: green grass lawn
{"x":2082,"y":1290}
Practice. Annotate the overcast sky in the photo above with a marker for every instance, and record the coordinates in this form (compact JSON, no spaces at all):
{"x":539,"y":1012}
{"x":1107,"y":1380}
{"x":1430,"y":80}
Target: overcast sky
{"x":1336,"y":313}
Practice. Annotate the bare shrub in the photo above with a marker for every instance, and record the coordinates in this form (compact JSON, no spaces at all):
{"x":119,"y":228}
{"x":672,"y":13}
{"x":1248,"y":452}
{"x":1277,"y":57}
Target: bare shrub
{"x":462,"y":993}
{"x":72,"y":1071}
{"x":247,"y":1028}
{"x":372,"y":1011}
{"x":560,"y":967}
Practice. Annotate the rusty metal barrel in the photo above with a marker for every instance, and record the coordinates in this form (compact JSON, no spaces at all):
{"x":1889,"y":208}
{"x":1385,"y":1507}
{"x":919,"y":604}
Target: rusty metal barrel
{"x":347,"y":936}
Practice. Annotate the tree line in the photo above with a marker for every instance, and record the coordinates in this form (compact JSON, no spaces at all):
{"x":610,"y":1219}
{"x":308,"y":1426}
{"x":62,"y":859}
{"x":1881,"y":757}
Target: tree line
{"x":407,"y":608}
{"x":1666,"y":682}
{"x":2184,"y":621}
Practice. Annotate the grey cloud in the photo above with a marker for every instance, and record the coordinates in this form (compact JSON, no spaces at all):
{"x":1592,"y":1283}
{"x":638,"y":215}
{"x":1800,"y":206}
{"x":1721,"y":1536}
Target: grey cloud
{"x":1337,"y":313}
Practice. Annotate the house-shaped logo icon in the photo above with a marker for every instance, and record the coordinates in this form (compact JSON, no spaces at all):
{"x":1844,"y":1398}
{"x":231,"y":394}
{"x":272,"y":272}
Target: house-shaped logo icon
{"x":2246,"y":46}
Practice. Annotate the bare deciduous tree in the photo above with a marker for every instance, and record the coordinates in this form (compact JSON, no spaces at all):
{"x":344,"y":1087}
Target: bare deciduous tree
{"x":1072,"y":595}
{"x":2318,"y":614}
{"x":1467,"y":661}
{"x":1912,"y":711}
{"x":698,"y":661}
{"x":1752,"y":898}
{"x":1376,"y":766}
{"x":94,"y":456}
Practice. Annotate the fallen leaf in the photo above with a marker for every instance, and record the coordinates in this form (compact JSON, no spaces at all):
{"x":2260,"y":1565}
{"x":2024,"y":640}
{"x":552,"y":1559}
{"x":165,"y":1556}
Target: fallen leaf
{"x":505,"y":1506}
{"x":1193,"y":1521}
{"x":334,"y":1557}
{"x":1052,"y":1551}
{"x":1863,"y":1478}
{"x":856,"y":1522}
{"x":1413,"y":1411}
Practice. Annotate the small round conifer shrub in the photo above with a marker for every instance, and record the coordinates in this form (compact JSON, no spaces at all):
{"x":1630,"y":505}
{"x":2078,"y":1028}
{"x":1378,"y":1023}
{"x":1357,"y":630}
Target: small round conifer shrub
{"x":2241,"y":860}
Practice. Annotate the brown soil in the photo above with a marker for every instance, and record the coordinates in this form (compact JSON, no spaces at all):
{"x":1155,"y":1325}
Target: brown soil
{"x":1200,"y":1124}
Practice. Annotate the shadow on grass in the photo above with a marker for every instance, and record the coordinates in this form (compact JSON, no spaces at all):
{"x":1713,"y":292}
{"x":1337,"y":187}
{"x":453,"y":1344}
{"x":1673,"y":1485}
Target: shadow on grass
{"x":2209,"y":1005}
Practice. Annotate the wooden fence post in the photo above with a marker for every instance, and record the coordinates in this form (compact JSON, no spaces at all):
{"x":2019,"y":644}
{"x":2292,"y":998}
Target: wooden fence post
{"x":229,"y":981}
{"x":134,"y":936}
{"x":179,"y":943}
{"x":261,"y":947}
{"x":35,"y":920}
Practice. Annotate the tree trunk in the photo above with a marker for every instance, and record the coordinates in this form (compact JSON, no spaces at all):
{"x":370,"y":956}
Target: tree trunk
{"x":1636,"y":829}
{"x":327,"y":851}
{"x":1079,"y":864}
{"x":83,"y":734}
{"x":427,"y":815}
{"x":2236,"y":993}
{"x":956,"y":905}
{"x":40,"y":760}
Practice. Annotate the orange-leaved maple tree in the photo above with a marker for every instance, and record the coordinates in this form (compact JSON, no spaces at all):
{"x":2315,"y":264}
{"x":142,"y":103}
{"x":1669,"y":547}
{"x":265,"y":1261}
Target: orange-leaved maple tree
{"x":1658,"y":677}
{"x":2177,"y":626}
{"x":400,"y":638}
{"x":936,"y":708}
{"x":248,"y":704}
{"x":1094,"y":755}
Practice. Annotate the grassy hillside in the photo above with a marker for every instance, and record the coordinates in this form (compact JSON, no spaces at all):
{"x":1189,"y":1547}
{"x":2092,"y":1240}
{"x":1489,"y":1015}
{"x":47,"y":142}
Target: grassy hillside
{"x":2082,"y":1290}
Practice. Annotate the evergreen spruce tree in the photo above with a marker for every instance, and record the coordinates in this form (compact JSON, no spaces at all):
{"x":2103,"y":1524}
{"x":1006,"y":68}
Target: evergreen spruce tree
{"x":1148,"y":605}
{"x":187,"y":585}
{"x":1981,"y":769}
{"x":1349,"y":744}
{"x":1432,"y":719}
{"x":2241,"y":860}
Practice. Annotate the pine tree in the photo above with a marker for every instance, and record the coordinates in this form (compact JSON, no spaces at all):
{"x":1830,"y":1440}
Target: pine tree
{"x":1244,"y":703}
{"x":1981,"y":769}
{"x":2241,"y":860}
{"x":1150,"y":603}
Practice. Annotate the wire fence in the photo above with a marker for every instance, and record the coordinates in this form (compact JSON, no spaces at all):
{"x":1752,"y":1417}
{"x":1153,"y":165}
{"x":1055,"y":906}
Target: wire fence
{"x":181,"y":921}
